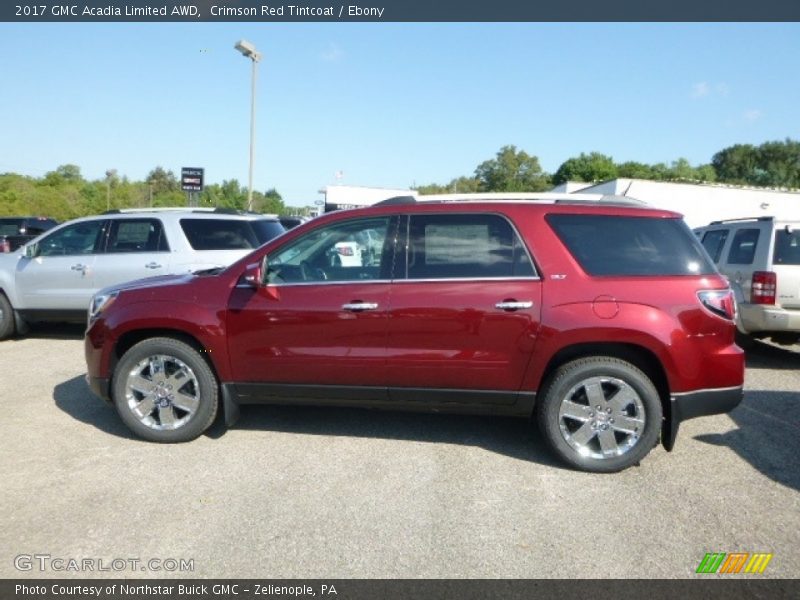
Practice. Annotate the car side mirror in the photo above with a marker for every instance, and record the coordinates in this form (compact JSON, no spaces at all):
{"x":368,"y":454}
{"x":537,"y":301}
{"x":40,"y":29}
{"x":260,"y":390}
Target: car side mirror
{"x":32,"y":250}
{"x":256,"y":273}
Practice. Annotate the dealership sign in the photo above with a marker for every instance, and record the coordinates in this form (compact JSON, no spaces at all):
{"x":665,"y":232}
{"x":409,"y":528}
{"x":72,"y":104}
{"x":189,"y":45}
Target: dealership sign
{"x":191,"y":179}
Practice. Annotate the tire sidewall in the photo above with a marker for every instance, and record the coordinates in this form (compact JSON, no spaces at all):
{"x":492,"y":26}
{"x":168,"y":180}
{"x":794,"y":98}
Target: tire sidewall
{"x":572,"y":374}
{"x":207,"y":382}
{"x":7,"y":317}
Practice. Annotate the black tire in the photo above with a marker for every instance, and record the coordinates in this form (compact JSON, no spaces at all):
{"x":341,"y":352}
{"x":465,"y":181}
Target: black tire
{"x":6,"y":318}
{"x":175,"y":379}
{"x":628,"y":427}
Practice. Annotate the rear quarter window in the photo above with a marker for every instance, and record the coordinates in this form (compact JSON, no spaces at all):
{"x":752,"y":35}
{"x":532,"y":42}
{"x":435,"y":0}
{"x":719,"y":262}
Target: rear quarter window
{"x":610,"y":245}
{"x":787,"y":248}
{"x":219,"y":234}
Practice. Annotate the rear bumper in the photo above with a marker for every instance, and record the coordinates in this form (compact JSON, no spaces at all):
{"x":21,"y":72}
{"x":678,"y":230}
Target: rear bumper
{"x":701,"y":403}
{"x":755,"y":318}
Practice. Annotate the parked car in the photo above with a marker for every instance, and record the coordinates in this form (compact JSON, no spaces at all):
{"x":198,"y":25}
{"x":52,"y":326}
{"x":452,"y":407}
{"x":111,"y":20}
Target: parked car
{"x":15,"y":231}
{"x":761,"y":258}
{"x":605,"y":321}
{"x":53,"y":277}
{"x":290,"y":222}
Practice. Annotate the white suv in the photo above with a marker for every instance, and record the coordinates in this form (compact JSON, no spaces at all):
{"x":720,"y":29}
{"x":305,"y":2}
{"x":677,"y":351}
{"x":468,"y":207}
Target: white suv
{"x":761,"y":258}
{"x":54,"y":276}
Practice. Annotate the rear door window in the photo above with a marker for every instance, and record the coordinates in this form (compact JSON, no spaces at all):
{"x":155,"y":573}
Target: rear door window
{"x":465,"y":246}
{"x":713,"y":242}
{"x":743,"y":247}
{"x":611,"y":245}
{"x":137,"y":235}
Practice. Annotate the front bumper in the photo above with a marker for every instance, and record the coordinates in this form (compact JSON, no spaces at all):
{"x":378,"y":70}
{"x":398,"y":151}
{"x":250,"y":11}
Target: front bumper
{"x":701,"y":403}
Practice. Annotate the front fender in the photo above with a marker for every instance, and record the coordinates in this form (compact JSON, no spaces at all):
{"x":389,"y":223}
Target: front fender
{"x":161,"y":318}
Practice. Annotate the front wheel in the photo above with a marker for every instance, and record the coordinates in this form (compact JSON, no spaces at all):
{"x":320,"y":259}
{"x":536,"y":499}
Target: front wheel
{"x":164,"y":391}
{"x":600,"y":414}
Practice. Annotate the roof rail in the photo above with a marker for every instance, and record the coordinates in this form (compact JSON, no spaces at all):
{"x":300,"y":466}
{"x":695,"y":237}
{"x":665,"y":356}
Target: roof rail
{"x":548,"y":197}
{"x":742,"y":219}
{"x":396,"y":200}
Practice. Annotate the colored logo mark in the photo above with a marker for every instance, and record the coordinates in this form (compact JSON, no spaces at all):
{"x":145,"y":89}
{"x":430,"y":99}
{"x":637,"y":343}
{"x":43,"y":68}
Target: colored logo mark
{"x":735,"y":562}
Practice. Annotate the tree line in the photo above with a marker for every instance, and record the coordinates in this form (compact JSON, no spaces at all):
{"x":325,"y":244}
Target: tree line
{"x":64,"y":194}
{"x":772,"y":164}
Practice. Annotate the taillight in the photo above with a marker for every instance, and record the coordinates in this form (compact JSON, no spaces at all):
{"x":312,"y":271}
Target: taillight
{"x":345,"y":250}
{"x":5,"y":245}
{"x":764,"y":285}
{"x":719,"y":302}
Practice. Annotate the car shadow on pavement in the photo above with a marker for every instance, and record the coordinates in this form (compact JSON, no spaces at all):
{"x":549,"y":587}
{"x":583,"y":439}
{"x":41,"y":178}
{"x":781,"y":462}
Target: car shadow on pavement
{"x":516,"y":438}
{"x":76,"y":399}
{"x":768,"y":356}
{"x":54,"y":331}
{"x":768,"y":436}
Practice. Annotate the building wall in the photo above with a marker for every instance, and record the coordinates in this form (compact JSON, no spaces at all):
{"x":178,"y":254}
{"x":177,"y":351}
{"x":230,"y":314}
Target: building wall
{"x":702,"y":203}
{"x":349,"y":196}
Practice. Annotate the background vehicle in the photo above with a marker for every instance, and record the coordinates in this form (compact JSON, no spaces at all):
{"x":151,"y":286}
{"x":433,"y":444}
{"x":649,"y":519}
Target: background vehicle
{"x":761,"y":258}
{"x":290,"y":222}
{"x":53,"y":277}
{"x":15,"y":231}
{"x":605,"y":321}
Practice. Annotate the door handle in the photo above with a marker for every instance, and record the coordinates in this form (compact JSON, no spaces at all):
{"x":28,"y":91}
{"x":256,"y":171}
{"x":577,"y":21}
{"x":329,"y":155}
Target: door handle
{"x":79,"y":267}
{"x":152,"y":265}
{"x":359,"y":306}
{"x":512,"y":305}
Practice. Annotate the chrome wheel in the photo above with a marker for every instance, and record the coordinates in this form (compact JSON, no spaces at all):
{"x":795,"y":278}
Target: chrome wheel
{"x":162,"y":392}
{"x":601,"y":417}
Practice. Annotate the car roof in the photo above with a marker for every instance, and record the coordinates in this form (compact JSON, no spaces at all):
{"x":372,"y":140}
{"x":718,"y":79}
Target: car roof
{"x":543,"y":203}
{"x":194,"y":213}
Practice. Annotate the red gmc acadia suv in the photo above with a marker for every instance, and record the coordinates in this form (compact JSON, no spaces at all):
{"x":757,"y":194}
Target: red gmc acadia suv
{"x":602,"y":319}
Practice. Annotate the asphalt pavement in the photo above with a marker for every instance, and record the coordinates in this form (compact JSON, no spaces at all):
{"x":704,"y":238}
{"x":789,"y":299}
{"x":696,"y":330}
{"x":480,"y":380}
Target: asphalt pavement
{"x":303,"y":492}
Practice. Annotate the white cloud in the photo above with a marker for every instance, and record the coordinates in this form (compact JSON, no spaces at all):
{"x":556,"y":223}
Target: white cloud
{"x":704,"y":89}
{"x":700,"y":90}
{"x":333,"y":53}
{"x":752,"y":115}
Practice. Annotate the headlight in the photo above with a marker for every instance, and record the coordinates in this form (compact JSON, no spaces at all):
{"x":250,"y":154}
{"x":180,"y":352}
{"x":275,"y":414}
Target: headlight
{"x":100,"y":302}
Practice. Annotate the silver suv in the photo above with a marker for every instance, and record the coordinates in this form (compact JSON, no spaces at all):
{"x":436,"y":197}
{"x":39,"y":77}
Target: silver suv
{"x":761,"y":258}
{"x":54,"y":276}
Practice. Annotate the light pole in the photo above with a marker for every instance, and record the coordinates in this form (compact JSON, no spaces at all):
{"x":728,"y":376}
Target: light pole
{"x":249,"y":51}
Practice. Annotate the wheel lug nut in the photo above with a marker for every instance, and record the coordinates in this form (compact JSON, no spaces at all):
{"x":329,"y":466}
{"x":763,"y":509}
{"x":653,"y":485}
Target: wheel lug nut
{"x":608,"y":410}
{"x":591,"y":414}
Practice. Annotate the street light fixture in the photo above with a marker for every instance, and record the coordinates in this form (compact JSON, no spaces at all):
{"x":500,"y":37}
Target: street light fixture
{"x":248,"y":50}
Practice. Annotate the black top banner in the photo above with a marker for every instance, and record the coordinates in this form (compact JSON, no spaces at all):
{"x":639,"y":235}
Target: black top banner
{"x":402,"y":10}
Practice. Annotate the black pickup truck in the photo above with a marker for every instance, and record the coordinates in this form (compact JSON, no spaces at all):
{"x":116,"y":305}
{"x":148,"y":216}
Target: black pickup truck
{"x":15,"y":231}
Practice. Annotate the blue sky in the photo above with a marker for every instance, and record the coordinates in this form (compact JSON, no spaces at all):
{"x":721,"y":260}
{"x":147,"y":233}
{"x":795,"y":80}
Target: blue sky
{"x":389,"y":105}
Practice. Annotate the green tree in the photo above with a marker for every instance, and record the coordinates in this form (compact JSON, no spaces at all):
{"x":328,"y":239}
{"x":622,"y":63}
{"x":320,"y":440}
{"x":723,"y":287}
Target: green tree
{"x":162,"y":181}
{"x":512,"y":170}
{"x":459,"y":185}
{"x":736,"y":164}
{"x":586,"y":167}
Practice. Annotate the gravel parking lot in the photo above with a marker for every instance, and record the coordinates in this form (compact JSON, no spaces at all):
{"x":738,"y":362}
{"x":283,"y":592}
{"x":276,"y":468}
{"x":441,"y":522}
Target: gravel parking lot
{"x":326,"y":493}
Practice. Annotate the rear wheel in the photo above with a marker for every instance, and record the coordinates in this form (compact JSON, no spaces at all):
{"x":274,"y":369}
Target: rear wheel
{"x":6,"y":318}
{"x":600,"y":414}
{"x":165,"y":391}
